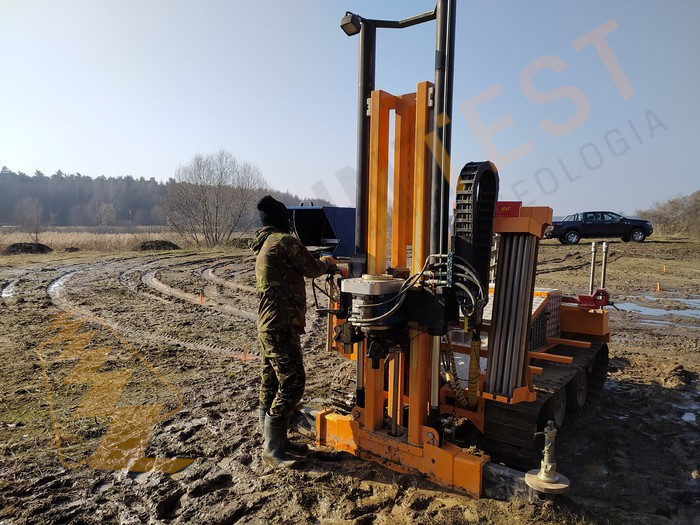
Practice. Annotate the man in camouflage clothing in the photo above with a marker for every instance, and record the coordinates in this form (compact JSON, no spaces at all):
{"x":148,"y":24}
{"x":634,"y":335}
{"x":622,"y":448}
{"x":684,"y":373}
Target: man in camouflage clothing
{"x":280,"y":267}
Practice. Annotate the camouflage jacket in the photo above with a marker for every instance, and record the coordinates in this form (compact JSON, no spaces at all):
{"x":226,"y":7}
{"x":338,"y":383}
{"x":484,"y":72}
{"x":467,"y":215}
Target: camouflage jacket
{"x":280,"y":268}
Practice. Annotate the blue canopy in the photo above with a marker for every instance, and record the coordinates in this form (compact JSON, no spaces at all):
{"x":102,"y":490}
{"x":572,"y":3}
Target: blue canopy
{"x":328,"y":227}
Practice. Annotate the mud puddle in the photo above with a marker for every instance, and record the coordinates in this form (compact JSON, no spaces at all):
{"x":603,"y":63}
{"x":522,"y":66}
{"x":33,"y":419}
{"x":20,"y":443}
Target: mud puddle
{"x":656,"y":312}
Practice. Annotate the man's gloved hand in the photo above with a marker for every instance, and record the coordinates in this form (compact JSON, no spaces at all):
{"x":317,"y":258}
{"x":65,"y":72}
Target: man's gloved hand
{"x":331,"y":263}
{"x":329,"y":260}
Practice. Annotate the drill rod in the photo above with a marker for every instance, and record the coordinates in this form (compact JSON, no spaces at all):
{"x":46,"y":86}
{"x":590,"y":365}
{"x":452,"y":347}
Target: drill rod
{"x":605,"y":265}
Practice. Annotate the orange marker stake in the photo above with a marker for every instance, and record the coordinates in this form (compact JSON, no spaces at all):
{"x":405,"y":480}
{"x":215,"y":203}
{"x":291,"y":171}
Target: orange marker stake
{"x":245,"y":354}
{"x":658,"y":286}
{"x":664,"y":268}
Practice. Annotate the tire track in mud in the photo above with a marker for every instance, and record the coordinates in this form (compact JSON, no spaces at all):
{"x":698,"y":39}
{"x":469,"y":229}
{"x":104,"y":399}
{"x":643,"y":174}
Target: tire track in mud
{"x":166,"y":289}
{"x":317,"y":324}
{"x":612,"y":257}
{"x":9,"y":290}
{"x":56,"y":288}
{"x":56,"y":292}
{"x":10,"y":284}
{"x":208,"y":274}
{"x":150,"y":279}
{"x":124,"y":276}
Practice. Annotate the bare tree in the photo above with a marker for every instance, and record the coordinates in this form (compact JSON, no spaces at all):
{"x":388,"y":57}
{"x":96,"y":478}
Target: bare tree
{"x":213,"y":198}
{"x":30,"y":214}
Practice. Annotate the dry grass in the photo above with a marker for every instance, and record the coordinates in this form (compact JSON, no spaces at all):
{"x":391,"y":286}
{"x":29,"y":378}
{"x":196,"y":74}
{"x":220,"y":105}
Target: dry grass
{"x":91,"y":241}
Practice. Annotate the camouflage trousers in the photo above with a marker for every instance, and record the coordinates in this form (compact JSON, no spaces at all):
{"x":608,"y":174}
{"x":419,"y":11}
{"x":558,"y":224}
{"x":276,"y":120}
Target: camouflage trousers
{"x":282,"y":378}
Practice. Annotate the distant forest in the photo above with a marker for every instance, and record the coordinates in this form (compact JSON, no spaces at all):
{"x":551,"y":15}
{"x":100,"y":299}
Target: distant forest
{"x":72,"y":199}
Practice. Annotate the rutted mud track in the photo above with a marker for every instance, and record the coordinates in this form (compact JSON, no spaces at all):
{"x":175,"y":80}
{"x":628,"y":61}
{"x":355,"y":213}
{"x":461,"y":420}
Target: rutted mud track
{"x":634,"y":459}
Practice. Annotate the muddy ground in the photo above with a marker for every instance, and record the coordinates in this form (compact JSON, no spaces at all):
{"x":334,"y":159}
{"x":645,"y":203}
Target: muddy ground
{"x":182,"y":322}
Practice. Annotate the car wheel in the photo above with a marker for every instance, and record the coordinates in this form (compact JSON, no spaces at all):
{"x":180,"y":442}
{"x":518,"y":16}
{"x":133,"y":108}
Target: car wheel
{"x":637,"y":235}
{"x":561,"y":240}
{"x":572,"y":237}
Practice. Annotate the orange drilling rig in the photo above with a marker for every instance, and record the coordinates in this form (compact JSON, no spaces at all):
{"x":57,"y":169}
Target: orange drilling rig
{"x":455,"y":376}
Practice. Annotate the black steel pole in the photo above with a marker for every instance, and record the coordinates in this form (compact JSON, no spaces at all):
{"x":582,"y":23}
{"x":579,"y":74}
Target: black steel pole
{"x":368,"y":38}
{"x":442,"y":139}
{"x":440,"y":172}
{"x":437,"y":145}
{"x":449,"y":72}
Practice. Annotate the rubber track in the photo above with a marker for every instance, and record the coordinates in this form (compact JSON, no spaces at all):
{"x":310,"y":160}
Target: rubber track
{"x":509,"y":430}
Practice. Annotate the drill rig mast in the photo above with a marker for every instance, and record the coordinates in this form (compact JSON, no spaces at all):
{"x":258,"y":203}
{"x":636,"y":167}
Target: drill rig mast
{"x":413,"y":305}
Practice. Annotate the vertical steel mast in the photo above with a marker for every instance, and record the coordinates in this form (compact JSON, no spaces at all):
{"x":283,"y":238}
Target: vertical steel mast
{"x":353,"y":24}
{"x":442,"y":138}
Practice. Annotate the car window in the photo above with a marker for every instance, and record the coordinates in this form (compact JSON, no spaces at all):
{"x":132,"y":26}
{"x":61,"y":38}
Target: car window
{"x":590,"y":217}
{"x":609,"y":216}
{"x":568,"y":218}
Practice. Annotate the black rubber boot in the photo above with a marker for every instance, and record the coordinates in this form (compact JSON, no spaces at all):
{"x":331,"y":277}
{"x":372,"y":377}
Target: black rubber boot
{"x":294,"y":448}
{"x":289,"y":446}
{"x":275,"y":434}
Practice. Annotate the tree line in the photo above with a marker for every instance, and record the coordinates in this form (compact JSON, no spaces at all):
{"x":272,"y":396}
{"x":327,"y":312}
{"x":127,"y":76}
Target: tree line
{"x":679,"y":215}
{"x":208,"y":200}
{"x":73,"y":199}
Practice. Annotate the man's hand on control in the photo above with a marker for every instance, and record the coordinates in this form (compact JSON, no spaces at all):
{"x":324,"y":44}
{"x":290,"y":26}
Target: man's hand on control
{"x":329,"y":260}
{"x":331,"y":264}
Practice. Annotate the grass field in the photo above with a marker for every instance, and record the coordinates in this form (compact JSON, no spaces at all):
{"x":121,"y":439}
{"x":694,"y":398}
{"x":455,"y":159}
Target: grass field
{"x":98,"y":239}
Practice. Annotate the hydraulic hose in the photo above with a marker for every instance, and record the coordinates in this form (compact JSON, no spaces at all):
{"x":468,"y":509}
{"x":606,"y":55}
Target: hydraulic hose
{"x":451,"y":376}
{"x":453,"y":379}
{"x":474,"y":371}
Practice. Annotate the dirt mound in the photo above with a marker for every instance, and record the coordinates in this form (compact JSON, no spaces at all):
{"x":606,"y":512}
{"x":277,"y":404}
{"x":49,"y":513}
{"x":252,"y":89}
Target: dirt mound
{"x":157,"y":245}
{"x":72,"y":249}
{"x":26,"y":247}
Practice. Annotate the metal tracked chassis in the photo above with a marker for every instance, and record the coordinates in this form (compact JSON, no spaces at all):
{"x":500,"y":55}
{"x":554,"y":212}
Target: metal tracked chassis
{"x":509,"y":430}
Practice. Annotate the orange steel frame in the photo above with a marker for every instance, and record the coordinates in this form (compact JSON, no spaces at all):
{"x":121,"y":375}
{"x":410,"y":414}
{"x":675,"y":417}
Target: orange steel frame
{"x":361,"y":432}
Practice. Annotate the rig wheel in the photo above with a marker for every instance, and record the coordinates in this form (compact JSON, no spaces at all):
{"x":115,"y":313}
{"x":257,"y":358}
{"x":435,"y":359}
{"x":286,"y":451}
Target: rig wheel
{"x":577,"y":391}
{"x":555,"y":409}
{"x":597,"y":375}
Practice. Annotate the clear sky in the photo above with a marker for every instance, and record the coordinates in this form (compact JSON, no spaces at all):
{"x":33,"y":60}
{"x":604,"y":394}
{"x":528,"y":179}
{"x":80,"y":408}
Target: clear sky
{"x":581,"y":105}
